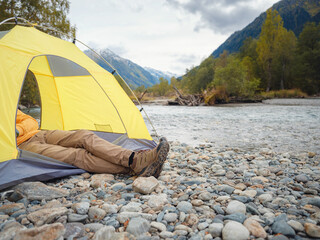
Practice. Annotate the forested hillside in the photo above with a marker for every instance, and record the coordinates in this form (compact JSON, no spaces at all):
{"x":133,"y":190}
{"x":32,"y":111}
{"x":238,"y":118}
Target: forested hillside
{"x":276,"y":60}
{"x":295,"y":13}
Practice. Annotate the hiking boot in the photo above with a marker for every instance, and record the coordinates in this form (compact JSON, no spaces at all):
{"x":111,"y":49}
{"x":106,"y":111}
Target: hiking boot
{"x":151,"y":161}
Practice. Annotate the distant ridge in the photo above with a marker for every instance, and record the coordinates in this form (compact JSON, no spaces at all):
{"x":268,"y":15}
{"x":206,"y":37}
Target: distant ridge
{"x":295,"y":13}
{"x":134,"y":74}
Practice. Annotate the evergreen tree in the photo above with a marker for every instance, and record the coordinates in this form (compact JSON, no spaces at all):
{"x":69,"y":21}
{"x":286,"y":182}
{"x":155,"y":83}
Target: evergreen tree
{"x":308,"y":59}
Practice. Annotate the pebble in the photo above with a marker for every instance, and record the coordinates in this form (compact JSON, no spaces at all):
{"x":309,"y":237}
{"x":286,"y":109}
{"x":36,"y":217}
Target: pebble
{"x":96,"y":213}
{"x":74,"y":230}
{"x":238,"y":217}
{"x":215,"y":229}
{"x":203,"y":193}
{"x":266,"y":197}
{"x":138,"y":226}
{"x":302,"y":178}
{"x":312,"y":230}
{"x":297,"y":226}
{"x":235,"y":231}
{"x":236,"y":207}
{"x":283,"y":227}
{"x":131,"y":207}
{"x":171,"y":217}
{"x":255,"y":228}
{"x":81,"y":207}
{"x":159,"y":226}
{"x":166,"y":234}
{"x":145,"y":185}
{"x":76,"y":217}
{"x":184,"y":206}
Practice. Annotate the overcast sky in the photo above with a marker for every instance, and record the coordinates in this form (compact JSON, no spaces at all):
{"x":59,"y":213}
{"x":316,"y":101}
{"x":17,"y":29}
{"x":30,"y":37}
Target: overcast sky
{"x":168,"y":35}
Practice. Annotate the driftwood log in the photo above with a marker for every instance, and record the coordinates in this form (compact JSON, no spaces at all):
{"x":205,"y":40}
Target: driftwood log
{"x":186,"y":100}
{"x":141,"y":96}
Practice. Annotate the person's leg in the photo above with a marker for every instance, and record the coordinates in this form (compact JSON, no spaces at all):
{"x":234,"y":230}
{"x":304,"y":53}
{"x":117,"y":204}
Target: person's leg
{"x":92,"y":143}
{"x":139,"y":161}
{"x":75,"y":156}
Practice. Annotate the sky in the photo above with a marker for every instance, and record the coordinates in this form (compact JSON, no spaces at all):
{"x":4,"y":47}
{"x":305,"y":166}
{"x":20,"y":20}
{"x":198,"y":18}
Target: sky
{"x":167,"y":35}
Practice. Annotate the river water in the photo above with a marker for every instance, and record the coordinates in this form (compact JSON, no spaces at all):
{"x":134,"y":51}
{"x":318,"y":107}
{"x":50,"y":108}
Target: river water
{"x":283,"y":125}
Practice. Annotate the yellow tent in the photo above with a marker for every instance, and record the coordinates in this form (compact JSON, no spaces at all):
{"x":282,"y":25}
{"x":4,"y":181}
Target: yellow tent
{"x":75,"y":92}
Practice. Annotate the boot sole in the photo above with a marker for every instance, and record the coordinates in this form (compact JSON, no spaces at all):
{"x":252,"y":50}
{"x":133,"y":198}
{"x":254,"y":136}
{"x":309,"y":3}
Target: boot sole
{"x":155,"y":168}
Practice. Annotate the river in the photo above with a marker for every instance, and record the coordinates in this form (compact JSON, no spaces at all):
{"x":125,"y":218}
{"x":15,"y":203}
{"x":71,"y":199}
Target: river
{"x":283,"y":125}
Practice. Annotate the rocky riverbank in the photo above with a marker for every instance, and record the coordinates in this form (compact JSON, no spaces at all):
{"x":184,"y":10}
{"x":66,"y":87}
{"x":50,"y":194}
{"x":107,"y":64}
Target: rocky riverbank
{"x":203,"y":193}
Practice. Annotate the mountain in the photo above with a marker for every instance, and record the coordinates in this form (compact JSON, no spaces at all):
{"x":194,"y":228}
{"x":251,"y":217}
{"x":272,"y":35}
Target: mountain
{"x":295,"y":13}
{"x":132,"y":73}
{"x":161,"y":74}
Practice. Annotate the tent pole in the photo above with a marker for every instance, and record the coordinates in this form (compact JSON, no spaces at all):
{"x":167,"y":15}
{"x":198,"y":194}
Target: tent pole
{"x":114,"y":70}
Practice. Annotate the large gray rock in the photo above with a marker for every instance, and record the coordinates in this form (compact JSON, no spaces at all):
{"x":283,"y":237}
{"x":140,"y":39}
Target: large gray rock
{"x":74,"y":230}
{"x":11,"y":208}
{"x":215,"y":229}
{"x":235,"y":231}
{"x":48,"y":232}
{"x":124,"y":216}
{"x":156,"y":202}
{"x":10,"y":230}
{"x":184,"y":206}
{"x":96,"y":213}
{"x":236,"y":207}
{"x":99,"y":180}
{"x":47,"y":215}
{"x":171,"y":217}
{"x":312,"y":230}
{"x":283,"y":227}
{"x":108,"y":233}
{"x":39,"y":191}
{"x":131,"y":207}
{"x":205,"y":196}
{"x":145,"y":185}
{"x":297,"y":226}
{"x":105,"y":233}
{"x":138,"y":226}
{"x":94,"y":227}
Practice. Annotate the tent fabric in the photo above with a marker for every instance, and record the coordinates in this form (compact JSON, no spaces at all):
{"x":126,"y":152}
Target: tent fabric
{"x":61,"y":67}
{"x":34,"y":167}
{"x":76,"y":93}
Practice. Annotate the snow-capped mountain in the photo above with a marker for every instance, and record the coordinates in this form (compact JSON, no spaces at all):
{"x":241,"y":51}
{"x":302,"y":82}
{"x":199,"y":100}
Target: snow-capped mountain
{"x":157,"y":73}
{"x":134,"y":74}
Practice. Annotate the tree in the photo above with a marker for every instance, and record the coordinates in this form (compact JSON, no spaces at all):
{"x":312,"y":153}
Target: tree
{"x":48,"y":13}
{"x":266,"y":43}
{"x":236,"y":77}
{"x":308,"y":59}
{"x":162,"y":88}
{"x":30,"y":94}
{"x":284,"y":53}
{"x":198,"y":78}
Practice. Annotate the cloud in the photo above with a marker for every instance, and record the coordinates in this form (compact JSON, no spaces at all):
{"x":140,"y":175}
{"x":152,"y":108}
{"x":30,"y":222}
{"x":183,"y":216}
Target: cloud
{"x":221,"y":16}
{"x":118,"y":49}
